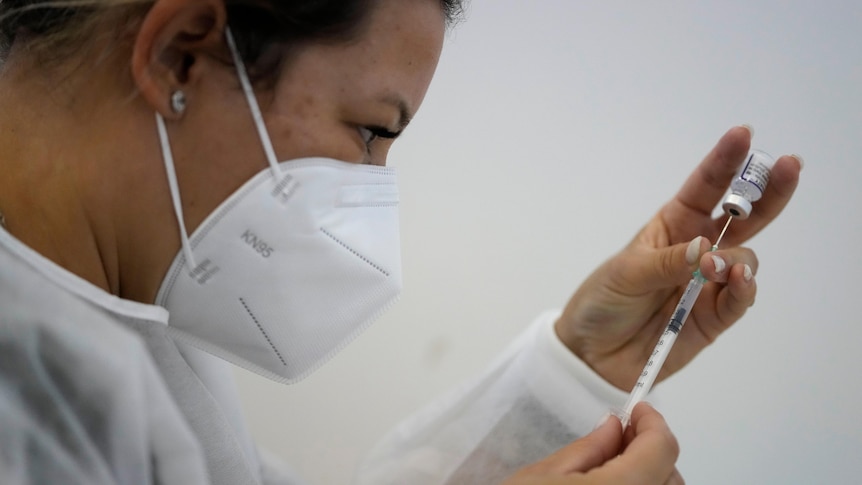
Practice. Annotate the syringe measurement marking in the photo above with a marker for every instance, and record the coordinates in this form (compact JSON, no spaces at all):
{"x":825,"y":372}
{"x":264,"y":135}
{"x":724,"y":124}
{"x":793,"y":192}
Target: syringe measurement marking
{"x":675,"y":325}
{"x":641,"y":382}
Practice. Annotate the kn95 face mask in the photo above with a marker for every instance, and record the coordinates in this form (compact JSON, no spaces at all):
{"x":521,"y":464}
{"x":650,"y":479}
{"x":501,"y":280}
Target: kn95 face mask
{"x":291,"y":267}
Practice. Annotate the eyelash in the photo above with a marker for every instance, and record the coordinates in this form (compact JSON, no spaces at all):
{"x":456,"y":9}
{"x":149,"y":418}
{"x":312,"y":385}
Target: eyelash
{"x":371,"y":133}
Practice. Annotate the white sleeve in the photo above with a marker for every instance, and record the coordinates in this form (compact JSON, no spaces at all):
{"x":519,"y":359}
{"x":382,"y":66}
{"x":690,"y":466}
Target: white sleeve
{"x":82,"y":403}
{"x":534,"y":399}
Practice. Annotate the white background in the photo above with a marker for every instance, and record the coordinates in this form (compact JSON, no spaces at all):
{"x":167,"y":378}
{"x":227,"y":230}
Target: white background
{"x":553,"y":130}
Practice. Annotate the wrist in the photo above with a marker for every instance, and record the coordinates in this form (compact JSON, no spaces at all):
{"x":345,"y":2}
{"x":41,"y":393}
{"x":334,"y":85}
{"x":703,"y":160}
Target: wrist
{"x":607,"y":369}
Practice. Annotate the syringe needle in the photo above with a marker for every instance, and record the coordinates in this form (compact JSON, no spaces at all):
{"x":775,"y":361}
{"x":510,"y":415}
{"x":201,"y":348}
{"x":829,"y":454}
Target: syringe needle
{"x":726,"y":225}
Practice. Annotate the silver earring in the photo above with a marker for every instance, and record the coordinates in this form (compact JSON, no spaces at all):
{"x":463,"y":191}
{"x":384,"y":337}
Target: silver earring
{"x":178,"y":101}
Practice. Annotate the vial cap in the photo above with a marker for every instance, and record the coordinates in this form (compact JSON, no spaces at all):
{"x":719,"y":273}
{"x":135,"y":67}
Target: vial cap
{"x":736,"y":206}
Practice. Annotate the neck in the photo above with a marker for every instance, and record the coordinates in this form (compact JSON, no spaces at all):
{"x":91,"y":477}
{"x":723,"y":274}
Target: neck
{"x":75,"y":165}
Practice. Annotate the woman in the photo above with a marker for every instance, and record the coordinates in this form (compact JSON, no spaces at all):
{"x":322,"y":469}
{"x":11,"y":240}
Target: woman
{"x":207,"y":174}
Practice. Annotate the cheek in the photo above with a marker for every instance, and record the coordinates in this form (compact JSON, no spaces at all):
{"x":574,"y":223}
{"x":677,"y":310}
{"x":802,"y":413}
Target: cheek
{"x":309,"y":127}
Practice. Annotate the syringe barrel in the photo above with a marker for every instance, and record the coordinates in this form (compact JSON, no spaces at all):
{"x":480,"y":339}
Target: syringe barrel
{"x":662,"y":348}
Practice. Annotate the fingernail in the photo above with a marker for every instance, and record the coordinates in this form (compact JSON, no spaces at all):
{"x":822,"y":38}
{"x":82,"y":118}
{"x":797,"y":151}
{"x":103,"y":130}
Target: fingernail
{"x":693,"y":250}
{"x":719,"y":263}
{"x":602,"y":421}
{"x":746,"y":273}
{"x":800,"y":160}
{"x":749,"y":128}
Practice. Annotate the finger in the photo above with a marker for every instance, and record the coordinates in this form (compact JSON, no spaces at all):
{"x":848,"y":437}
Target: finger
{"x":586,"y":453}
{"x":705,"y":187}
{"x":735,"y":298}
{"x":728,"y":305}
{"x":675,"y":478}
{"x":717,"y":265}
{"x":783,"y":180}
{"x":666,"y":267}
{"x":651,"y":455}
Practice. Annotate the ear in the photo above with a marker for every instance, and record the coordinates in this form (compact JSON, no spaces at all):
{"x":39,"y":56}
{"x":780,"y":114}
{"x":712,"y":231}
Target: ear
{"x":173,"y":36}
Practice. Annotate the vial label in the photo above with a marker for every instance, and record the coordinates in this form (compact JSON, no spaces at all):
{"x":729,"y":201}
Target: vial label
{"x":755,"y":172}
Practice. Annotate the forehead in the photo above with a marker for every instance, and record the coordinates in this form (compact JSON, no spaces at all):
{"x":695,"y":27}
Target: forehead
{"x":395,"y":53}
{"x":397,"y":31}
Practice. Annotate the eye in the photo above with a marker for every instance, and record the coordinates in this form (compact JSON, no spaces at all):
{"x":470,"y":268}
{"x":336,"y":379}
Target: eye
{"x":371,"y":133}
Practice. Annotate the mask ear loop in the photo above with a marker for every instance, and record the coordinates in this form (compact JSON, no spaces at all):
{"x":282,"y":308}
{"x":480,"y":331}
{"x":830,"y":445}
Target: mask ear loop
{"x":169,"y":159}
{"x":175,"y":190}
{"x":252,"y":104}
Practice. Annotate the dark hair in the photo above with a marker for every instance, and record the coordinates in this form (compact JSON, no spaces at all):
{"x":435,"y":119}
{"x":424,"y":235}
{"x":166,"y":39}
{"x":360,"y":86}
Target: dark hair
{"x":256,"y":24}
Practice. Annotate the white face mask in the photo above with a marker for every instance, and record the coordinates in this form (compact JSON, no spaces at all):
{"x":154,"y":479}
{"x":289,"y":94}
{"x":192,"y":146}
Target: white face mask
{"x":291,"y":267}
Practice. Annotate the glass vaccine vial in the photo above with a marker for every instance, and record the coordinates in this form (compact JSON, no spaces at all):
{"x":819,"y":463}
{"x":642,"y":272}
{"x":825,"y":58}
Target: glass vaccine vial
{"x":748,"y":184}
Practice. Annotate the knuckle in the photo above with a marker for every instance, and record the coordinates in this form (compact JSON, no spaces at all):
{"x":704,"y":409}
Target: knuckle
{"x":664,"y":263}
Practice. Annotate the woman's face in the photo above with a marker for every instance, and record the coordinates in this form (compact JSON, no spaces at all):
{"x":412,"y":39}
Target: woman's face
{"x":345,"y":101}
{"x":349,"y":101}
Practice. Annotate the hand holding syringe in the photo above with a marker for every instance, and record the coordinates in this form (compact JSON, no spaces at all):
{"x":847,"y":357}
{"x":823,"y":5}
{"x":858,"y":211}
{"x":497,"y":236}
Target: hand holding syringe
{"x":747,"y":187}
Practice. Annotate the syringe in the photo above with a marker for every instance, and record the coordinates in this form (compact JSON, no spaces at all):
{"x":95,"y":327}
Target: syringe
{"x":665,"y":343}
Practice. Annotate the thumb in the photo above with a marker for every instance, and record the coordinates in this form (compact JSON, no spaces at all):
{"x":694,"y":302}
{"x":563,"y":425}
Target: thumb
{"x":586,"y":453}
{"x":670,"y":266}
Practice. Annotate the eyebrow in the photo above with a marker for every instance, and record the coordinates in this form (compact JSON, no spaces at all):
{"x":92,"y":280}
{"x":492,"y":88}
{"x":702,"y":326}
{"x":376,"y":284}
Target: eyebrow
{"x":404,"y":115}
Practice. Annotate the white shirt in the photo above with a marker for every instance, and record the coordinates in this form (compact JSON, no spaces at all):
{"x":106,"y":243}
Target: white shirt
{"x":164,"y":409}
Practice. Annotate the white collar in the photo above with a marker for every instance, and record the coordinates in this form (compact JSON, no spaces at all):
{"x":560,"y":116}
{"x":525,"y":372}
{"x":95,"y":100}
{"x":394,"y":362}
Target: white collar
{"x":79,"y":286}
